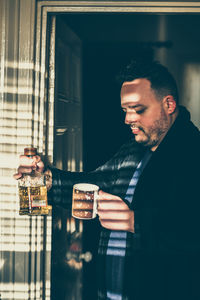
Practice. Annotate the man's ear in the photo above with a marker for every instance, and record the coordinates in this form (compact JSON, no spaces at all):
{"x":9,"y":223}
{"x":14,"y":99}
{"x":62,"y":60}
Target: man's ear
{"x":170,"y":104}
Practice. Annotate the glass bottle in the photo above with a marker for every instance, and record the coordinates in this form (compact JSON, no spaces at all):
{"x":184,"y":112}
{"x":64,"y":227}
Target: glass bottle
{"x":32,"y":191}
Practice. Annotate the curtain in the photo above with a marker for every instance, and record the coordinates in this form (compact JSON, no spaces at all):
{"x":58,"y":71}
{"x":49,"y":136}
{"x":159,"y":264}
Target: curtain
{"x":25,"y":242}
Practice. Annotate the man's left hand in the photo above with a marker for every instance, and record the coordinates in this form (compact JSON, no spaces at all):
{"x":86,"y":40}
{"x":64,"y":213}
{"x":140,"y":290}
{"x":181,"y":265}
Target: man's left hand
{"x":114,"y":214}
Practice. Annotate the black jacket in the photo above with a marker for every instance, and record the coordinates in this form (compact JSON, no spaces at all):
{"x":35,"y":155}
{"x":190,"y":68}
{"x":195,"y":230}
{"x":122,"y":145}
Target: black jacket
{"x":167,"y":209}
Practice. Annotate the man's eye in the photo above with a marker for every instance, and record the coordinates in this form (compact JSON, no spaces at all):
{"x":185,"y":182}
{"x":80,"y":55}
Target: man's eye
{"x":140,"y":111}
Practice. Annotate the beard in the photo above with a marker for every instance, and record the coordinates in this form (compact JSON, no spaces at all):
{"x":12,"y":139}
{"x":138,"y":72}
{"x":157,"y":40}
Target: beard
{"x":155,"y":133}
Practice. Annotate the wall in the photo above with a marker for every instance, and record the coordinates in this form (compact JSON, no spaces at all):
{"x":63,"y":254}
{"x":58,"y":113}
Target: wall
{"x":183,"y":58}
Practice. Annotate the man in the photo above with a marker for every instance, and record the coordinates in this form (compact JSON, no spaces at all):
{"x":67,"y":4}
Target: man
{"x":149,"y":202}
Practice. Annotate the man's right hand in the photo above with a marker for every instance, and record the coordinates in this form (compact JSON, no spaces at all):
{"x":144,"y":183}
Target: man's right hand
{"x":28,"y":164}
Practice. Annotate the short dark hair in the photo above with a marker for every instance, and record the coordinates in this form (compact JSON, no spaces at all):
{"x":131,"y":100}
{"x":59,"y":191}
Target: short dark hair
{"x":162,"y":81}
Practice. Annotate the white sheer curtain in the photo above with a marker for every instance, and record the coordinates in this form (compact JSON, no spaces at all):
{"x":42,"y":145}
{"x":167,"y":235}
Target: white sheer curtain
{"x":25,"y":242}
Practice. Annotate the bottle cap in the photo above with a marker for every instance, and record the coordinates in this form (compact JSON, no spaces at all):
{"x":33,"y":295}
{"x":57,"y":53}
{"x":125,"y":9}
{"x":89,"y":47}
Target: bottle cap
{"x":30,"y":151}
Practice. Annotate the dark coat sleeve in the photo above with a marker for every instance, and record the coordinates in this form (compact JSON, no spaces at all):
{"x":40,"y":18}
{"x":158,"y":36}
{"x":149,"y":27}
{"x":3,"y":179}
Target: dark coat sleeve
{"x":63,"y":181}
{"x":112,"y":177}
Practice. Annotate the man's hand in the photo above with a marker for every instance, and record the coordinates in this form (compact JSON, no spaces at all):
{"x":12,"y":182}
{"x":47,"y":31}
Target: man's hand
{"x":114,"y":214}
{"x":28,"y":164}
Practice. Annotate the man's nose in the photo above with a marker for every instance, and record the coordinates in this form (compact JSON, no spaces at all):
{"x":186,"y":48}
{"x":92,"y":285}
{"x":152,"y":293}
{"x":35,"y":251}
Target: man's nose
{"x":130,"y":118}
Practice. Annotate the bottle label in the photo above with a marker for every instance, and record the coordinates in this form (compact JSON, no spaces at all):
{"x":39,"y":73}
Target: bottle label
{"x":38,"y":201}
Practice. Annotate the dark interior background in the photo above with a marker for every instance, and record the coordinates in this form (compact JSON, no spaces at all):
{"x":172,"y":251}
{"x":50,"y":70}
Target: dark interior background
{"x":109,"y":42}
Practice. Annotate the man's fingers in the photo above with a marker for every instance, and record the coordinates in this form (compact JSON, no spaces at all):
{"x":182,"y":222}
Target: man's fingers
{"x":106,"y":196}
{"x":112,"y":204}
{"x":27,"y":164}
{"x":108,"y":202}
{"x":117,"y":225}
{"x":29,"y":161}
{"x":113,"y":214}
{"x":118,"y":221}
{"x":21,"y":171}
{"x":26,"y":161}
{"x":17,"y":176}
{"x":37,"y":158}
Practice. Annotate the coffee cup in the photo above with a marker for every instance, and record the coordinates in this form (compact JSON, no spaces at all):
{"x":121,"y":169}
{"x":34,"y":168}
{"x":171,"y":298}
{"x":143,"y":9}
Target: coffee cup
{"x":84,"y":201}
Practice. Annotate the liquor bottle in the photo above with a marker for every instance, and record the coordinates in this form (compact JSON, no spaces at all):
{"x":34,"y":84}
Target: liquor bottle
{"x":32,"y":191}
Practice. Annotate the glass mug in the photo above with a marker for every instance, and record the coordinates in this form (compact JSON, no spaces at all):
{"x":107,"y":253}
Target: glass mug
{"x":84,"y":201}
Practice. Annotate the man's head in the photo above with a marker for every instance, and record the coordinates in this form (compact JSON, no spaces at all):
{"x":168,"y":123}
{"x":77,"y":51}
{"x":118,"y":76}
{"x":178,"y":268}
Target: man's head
{"x":149,"y":99}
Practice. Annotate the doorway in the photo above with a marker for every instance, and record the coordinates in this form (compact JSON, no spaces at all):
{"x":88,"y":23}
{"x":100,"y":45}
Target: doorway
{"x":110,"y":41}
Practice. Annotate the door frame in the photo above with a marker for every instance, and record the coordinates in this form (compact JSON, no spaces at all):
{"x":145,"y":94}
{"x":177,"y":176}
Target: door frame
{"x":43,"y":88}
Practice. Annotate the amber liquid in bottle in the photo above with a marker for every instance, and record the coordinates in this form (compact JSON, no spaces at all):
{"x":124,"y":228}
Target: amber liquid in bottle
{"x":33,"y":200}
{"x":33,"y":191}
